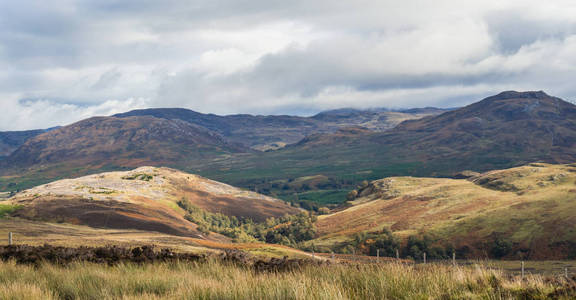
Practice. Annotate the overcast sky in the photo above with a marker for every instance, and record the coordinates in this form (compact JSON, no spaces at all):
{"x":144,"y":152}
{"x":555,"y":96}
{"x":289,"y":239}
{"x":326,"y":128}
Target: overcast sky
{"x":62,"y":61}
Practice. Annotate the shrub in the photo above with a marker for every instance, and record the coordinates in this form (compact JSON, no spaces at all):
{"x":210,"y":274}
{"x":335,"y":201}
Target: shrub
{"x":500,"y":248}
{"x":139,"y":176}
{"x":7,"y":209}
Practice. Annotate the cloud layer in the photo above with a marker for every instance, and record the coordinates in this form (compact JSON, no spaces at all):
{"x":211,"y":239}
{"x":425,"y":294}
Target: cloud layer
{"x":73,"y":59}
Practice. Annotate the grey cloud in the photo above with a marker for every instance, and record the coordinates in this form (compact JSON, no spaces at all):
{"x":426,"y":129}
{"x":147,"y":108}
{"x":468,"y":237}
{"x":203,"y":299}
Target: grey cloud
{"x":107,"y":79}
{"x":96,"y":54}
{"x":514,"y":29}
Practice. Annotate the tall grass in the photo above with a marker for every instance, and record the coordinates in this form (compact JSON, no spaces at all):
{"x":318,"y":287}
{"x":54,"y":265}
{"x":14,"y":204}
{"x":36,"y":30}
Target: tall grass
{"x":218,"y":280}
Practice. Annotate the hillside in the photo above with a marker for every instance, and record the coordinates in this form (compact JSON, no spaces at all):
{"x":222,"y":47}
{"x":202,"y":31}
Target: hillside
{"x":145,"y":199}
{"x":108,"y":143}
{"x":510,"y":126}
{"x":528,"y":211}
{"x":11,"y":140}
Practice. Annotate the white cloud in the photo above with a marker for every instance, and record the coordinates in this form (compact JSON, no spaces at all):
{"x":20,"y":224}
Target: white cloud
{"x":272,"y":56}
{"x":28,"y":114}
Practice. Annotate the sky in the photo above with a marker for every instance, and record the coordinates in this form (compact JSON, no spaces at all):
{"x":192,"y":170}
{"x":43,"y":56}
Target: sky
{"x":69,"y":60}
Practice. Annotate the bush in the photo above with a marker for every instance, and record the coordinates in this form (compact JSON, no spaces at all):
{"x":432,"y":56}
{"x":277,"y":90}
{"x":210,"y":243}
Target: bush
{"x":139,"y":176}
{"x":7,"y":209}
{"x":352,"y":195}
{"x":500,"y":248}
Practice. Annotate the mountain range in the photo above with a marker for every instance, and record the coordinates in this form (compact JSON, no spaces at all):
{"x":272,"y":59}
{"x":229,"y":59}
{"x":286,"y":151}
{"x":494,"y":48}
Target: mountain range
{"x":175,"y":137}
{"x":258,"y":132}
{"x":343,"y":146}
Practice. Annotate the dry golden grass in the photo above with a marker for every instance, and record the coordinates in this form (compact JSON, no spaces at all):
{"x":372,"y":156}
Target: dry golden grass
{"x":217,"y":280}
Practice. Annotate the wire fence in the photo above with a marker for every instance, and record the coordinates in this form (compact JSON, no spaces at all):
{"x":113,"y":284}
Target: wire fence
{"x":556,"y":268}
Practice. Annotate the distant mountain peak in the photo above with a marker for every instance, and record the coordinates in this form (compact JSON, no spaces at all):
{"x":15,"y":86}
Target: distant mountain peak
{"x":513,"y":105}
{"x":521,"y":95}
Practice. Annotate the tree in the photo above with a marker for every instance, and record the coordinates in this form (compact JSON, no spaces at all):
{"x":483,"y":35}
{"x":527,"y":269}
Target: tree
{"x":352,"y":195}
{"x":500,"y":248}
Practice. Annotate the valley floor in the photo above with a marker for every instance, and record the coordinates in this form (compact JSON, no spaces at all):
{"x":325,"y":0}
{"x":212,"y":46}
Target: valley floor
{"x":218,"y":280}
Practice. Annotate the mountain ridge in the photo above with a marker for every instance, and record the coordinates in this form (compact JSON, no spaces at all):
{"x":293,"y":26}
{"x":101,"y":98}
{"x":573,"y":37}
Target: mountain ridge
{"x":100,"y":140}
{"x":229,"y":125}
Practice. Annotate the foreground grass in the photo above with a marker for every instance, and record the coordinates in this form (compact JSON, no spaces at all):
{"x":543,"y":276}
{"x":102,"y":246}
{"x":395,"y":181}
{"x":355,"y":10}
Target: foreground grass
{"x":217,"y":280}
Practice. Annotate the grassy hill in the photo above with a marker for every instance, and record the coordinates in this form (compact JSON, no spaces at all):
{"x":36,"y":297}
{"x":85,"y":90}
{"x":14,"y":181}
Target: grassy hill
{"x":520,"y":212}
{"x":146,"y":198}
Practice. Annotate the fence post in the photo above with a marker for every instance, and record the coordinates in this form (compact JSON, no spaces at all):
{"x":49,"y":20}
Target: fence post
{"x":424,"y":256}
{"x":397,"y":254}
{"x":454,"y":259}
{"x":332,"y":255}
{"x":313,"y":254}
{"x":566,"y":272}
{"x":9,"y":238}
{"x":522,"y":269}
{"x":378,"y":254}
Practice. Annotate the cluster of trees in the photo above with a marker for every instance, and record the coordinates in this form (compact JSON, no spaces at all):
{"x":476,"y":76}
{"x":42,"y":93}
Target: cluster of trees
{"x":385,"y":242}
{"x":415,"y":246}
{"x":288,"y":230}
{"x":369,"y":243}
{"x":310,"y":206}
{"x":328,"y":183}
{"x":500,"y":248}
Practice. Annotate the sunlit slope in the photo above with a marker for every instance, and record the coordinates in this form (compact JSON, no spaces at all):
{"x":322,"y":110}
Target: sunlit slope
{"x":145,"y":198}
{"x":533,"y":207}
